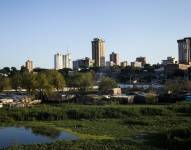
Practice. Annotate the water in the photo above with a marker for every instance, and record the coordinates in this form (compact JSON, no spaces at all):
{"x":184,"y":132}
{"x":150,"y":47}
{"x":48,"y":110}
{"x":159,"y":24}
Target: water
{"x":10,"y":136}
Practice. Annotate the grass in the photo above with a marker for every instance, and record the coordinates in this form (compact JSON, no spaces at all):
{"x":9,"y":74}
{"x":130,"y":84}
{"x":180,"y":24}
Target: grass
{"x":133,"y":126}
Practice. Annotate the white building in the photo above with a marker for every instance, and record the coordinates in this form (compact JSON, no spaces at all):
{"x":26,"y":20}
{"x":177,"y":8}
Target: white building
{"x":136,"y":64}
{"x":6,"y":101}
{"x":67,"y":61}
{"x":110,"y":63}
{"x":58,"y":61}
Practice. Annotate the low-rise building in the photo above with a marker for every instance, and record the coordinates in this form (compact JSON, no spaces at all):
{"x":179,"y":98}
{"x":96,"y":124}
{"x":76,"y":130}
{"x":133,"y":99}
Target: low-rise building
{"x":171,"y":68}
{"x":136,"y":64}
{"x":169,"y":60}
{"x":142,"y":60}
{"x":110,"y":63}
{"x":124,"y":64}
{"x":83,"y":63}
{"x":1,"y":105}
{"x":6,"y":101}
{"x":114,"y":91}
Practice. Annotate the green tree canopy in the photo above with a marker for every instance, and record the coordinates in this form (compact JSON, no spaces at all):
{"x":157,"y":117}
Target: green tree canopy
{"x":178,"y":85}
{"x":57,"y":80}
{"x":16,"y":81}
{"x":82,"y":81}
{"x":28,"y":81}
{"x":107,"y":83}
{"x":43,"y":83}
{"x":4,"y":83}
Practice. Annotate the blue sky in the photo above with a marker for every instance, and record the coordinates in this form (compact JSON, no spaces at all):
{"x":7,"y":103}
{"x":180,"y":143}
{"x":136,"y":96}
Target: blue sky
{"x":37,"y":29}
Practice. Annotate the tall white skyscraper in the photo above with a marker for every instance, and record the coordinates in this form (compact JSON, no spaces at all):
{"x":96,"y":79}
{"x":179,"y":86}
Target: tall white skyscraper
{"x":62,"y":61}
{"x":67,"y":62}
{"x":58,"y":61}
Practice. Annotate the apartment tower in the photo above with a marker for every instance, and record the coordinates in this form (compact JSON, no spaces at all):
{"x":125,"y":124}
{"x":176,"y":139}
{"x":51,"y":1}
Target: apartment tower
{"x":184,"y":50}
{"x":114,"y":57}
{"x":29,"y":65}
{"x":98,"y":52}
{"x":58,"y":61}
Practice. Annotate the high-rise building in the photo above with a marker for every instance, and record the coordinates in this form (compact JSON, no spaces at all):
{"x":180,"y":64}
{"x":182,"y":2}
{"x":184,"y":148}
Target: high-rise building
{"x":142,"y":60}
{"x":98,"y":52}
{"x":29,"y":65}
{"x":184,"y":50}
{"x":58,"y":61}
{"x":114,"y":57}
{"x":67,"y":61}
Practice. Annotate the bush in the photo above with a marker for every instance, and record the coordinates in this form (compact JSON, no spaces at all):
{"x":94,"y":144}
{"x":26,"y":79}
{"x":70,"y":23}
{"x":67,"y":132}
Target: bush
{"x":150,"y":111}
{"x":178,"y":138}
{"x":151,"y":98}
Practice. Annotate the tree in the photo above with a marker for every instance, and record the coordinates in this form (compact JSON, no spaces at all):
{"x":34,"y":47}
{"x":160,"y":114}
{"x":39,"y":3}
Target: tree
{"x":23,"y":69}
{"x":13,"y":71}
{"x":16,"y":81}
{"x":6,"y":70}
{"x":4,"y":83}
{"x":43,"y":83}
{"x":107,"y":83}
{"x":57,"y":80}
{"x":178,"y":85}
{"x":85,"y":81}
{"x":28,"y":81}
{"x":82,"y":81}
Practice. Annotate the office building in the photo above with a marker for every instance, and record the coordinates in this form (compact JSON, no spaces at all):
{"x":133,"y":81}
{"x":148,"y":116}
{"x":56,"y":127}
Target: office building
{"x":67,"y":61}
{"x":184,"y":50}
{"x":114,"y":57}
{"x":98,"y":52}
{"x":142,"y":60}
{"x":29,"y":65}
{"x":58,"y":61}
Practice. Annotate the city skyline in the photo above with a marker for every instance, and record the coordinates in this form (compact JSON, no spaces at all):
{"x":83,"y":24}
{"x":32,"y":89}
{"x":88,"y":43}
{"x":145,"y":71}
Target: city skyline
{"x":37,"y":30}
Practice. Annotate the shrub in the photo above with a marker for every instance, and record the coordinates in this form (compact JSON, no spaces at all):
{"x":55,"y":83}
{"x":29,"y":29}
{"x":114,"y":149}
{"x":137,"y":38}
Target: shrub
{"x":151,"y":98}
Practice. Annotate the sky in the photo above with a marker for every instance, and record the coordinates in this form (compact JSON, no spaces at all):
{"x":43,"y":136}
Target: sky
{"x":37,"y":29}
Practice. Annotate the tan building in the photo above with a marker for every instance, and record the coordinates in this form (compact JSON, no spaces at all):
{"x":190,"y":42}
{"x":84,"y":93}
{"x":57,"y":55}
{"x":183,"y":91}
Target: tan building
{"x":124,"y":64}
{"x":114,"y":57}
{"x":29,"y":65}
{"x":136,"y":64}
{"x":142,"y":60}
{"x":98,"y":52}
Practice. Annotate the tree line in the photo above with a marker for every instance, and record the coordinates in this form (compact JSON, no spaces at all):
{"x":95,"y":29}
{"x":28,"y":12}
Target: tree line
{"x":47,"y":80}
{"x":53,"y":80}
